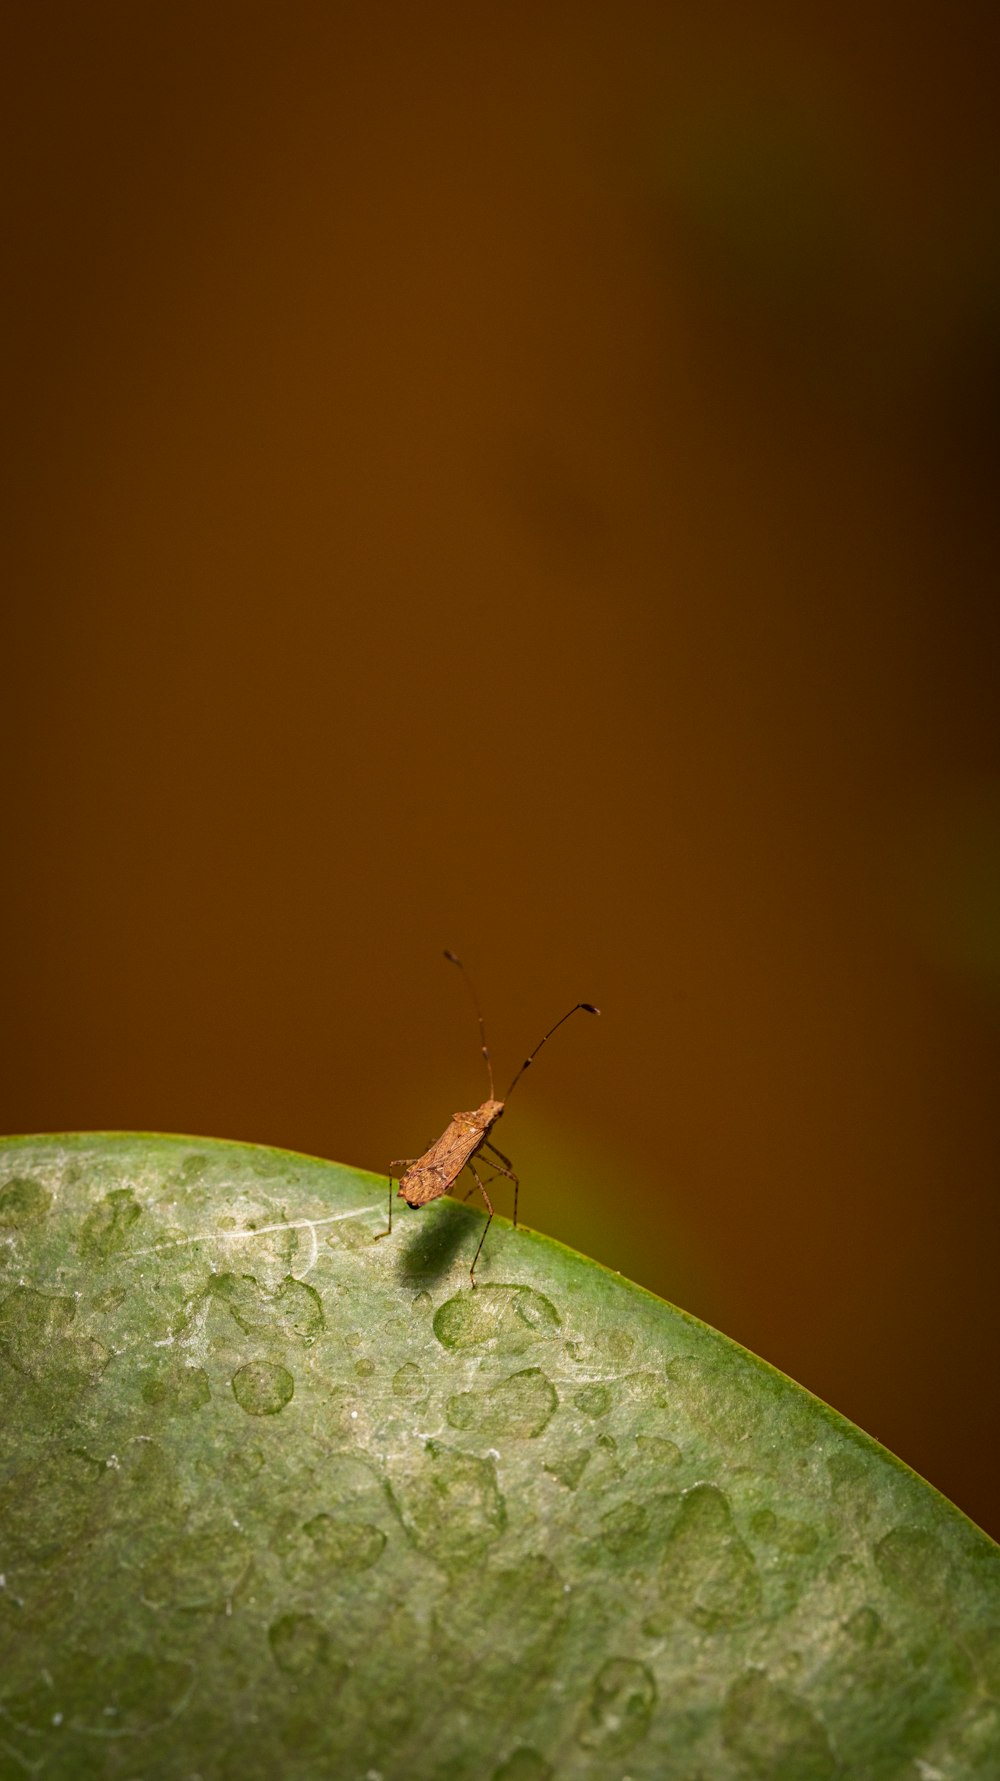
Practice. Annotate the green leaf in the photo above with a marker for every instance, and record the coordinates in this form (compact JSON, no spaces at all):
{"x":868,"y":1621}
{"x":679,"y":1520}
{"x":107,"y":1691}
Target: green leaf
{"x":279,"y":1500}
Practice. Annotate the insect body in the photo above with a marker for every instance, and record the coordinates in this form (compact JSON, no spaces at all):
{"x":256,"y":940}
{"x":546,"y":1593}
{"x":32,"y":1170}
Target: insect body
{"x":429,"y":1176}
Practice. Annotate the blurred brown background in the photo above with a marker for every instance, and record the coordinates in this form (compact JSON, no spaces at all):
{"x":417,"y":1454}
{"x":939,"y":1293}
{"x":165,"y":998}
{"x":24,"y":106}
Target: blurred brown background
{"x":523,"y":478}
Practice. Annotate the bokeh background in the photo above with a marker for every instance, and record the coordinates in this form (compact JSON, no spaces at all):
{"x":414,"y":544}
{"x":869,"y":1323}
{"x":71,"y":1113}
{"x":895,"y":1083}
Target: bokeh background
{"x":523,"y":478}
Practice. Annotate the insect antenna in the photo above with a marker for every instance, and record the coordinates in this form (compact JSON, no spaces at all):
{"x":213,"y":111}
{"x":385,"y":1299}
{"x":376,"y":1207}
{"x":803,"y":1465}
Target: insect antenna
{"x":588,"y":1008}
{"x":479,"y":1016}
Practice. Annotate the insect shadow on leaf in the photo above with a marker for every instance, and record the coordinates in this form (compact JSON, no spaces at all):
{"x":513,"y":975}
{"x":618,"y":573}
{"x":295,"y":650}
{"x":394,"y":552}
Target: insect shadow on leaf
{"x":433,"y":1245}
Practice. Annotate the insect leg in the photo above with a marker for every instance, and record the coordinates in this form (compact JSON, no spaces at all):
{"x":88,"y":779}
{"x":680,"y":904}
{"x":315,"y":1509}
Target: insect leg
{"x":474,"y":1171}
{"x":468,"y":1195}
{"x":397,"y":1162}
{"x":387,"y":1233}
{"x":507,"y":1170}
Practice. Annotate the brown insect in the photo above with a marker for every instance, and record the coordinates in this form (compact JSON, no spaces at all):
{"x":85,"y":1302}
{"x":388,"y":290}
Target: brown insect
{"x":429,"y":1176}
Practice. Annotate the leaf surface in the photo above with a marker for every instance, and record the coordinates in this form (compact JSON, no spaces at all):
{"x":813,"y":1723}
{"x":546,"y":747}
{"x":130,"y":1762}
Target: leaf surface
{"x":279,"y":1499}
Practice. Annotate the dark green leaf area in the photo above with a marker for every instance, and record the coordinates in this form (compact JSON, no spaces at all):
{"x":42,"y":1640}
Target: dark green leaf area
{"x":279,"y":1499}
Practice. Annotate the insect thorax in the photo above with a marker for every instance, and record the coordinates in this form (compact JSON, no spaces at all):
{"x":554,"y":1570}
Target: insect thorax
{"x":486,"y":1115}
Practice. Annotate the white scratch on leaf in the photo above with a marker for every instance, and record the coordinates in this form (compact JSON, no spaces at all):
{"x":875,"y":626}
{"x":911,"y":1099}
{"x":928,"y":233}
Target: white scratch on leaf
{"x":248,"y":1236}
